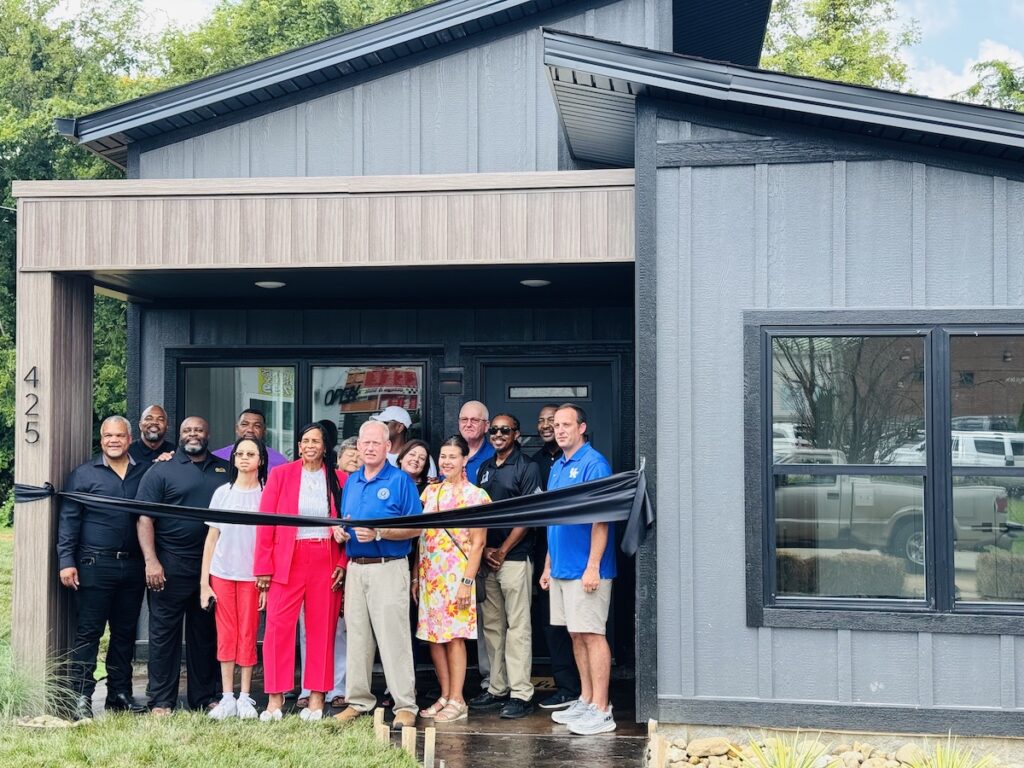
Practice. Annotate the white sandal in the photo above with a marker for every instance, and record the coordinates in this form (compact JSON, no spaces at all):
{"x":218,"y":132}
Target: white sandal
{"x":434,"y":709}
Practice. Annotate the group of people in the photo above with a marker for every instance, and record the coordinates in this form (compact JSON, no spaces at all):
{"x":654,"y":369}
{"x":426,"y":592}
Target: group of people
{"x":347,"y":590}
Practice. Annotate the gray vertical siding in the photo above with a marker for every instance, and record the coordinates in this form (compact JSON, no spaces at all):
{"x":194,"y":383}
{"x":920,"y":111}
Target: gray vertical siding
{"x":489,"y":108}
{"x":842,"y":234}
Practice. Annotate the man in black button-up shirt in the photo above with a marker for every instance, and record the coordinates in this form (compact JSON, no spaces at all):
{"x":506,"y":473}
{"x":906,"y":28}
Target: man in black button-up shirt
{"x":99,"y":558}
{"x":173,"y":553}
{"x":507,"y":626}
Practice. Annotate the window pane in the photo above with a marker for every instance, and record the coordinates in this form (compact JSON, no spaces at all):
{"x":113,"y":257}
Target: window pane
{"x":220,"y":394}
{"x":989,"y":538}
{"x":844,"y":536}
{"x":349,"y":394}
{"x":860,"y":396}
{"x":987,"y":400}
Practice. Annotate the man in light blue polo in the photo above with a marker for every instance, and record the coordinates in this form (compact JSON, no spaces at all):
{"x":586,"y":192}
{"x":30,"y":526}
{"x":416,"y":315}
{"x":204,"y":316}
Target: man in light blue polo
{"x":377,"y":585}
{"x":578,"y":571}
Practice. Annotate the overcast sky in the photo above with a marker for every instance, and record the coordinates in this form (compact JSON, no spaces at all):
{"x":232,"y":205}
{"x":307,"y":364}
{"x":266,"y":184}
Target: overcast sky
{"x":955,"y":34}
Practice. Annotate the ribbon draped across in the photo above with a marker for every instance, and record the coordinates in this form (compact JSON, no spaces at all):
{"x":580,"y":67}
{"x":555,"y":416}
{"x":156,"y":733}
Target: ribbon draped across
{"x":612,"y":499}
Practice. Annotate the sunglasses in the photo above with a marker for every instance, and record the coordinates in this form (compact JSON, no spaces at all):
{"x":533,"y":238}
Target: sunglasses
{"x":500,"y":430}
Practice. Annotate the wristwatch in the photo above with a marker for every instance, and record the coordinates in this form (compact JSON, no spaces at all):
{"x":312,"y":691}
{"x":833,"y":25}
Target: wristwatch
{"x":378,"y":536}
{"x":467,"y":582}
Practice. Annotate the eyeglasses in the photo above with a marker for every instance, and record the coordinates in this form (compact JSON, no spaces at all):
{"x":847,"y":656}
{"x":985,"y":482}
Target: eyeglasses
{"x":500,"y":430}
{"x":470,"y":420}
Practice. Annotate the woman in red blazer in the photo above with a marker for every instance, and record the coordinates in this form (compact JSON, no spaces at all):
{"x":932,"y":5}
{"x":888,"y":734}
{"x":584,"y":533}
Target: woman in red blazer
{"x":299,"y":566}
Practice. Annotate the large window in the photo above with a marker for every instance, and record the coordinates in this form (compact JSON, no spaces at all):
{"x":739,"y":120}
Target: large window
{"x":349,"y":394}
{"x":894,"y":479}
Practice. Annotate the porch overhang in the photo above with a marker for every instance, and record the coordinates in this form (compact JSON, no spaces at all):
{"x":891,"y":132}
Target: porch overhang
{"x":148,"y":239}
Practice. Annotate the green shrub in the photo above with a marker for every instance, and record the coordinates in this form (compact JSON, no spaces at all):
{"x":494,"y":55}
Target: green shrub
{"x":951,"y":755}
{"x":787,"y":752}
{"x":842,"y":574}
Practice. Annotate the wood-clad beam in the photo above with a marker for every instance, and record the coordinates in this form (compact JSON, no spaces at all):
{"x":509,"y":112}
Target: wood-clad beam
{"x":53,"y":435}
{"x":486,"y":219}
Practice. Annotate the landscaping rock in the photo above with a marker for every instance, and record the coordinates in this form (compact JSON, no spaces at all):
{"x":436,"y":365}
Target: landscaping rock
{"x":874,"y":762}
{"x":715,"y":745}
{"x":908,"y":753}
{"x":675,"y":754}
{"x":852,"y":755}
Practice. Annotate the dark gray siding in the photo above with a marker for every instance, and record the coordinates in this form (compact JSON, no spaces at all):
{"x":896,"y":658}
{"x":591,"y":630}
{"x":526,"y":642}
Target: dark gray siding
{"x":842,"y":234}
{"x":485,"y":109}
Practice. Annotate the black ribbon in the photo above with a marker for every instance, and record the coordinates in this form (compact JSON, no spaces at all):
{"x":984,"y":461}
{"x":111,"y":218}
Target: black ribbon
{"x":611,"y":499}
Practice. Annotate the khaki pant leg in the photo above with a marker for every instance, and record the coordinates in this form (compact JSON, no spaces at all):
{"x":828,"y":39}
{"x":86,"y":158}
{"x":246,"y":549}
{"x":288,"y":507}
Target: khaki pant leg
{"x":388,"y":603}
{"x":361,"y":645}
{"x":516,"y":581}
{"x":494,"y":624}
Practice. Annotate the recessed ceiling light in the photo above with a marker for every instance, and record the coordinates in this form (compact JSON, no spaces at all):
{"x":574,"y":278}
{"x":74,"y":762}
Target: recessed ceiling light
{"x":269,"y":284}
{"x":535,"y":283}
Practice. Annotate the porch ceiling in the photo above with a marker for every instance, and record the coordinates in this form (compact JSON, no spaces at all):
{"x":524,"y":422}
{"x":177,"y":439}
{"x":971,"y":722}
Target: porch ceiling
{"x":609,"y":284}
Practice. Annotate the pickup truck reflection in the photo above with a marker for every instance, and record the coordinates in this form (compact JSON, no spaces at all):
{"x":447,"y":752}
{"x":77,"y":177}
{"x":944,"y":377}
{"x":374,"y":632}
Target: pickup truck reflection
{"x":882,"y":512}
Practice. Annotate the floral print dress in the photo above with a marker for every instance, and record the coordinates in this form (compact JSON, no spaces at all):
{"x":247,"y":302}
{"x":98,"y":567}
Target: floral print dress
{"x":443,"y":555}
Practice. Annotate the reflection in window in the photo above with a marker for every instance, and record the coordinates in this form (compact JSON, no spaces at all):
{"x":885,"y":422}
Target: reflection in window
{"x":860,"y":396}
{"x":849,"y":536}
{"x":219,"y":394}
{"x":989,"y":538}
{"x":349,"y":394}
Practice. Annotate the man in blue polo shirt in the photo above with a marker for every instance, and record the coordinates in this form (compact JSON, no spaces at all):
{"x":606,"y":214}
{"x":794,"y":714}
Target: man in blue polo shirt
{"x":377,"y":585}
{"x":578,"y":572}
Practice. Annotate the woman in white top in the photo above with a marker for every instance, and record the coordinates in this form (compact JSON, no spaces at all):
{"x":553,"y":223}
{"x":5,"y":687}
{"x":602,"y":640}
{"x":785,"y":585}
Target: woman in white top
{"x":227,"y":584}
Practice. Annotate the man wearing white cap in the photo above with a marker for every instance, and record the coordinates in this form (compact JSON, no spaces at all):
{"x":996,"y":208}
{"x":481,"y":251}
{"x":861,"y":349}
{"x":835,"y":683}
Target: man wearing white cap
{"x":399,"y":423}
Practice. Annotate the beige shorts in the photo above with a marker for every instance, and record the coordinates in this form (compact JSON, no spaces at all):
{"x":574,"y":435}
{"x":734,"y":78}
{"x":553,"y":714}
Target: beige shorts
{"x":580,"y":611}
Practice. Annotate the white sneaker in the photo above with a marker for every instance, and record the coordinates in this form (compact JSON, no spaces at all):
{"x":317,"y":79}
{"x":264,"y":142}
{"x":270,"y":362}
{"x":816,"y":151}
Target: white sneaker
{"x":574,"y":711}
{"x":311,"y":714}
{"x":593,"y":721}
{"x":246,"y":708}
{"x":267,"y":716}
{"x":225,"y":708}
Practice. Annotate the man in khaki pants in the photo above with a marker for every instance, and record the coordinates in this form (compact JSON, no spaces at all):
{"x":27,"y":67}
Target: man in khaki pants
{"x":377,"y":583}
{"x":509,"y":577}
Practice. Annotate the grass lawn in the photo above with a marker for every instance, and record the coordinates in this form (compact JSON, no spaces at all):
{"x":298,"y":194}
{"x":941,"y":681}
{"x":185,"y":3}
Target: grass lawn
{"x":185,"y":740}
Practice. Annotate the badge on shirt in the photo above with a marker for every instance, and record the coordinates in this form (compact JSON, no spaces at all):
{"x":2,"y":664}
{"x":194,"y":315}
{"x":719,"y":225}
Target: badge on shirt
{"x":383,"y":494}
{"x":573,"y":473}
{"x":487,"y":474}
{"x":219,"y":469}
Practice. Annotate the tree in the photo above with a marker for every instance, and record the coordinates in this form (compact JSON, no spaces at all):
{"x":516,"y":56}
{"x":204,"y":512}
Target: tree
{"x":999,"y":85}
{"x":238,"y":32}
{"x":851,"y":41}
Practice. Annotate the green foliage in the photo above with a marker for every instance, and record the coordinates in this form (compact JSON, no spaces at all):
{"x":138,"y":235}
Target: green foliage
{"x":787,"y":752}
{"x":241,"y":31}
{"x":109,"y":360}
{"x":851,"y":41}
{"x":949,"y":754}
{"x":999,"y":85}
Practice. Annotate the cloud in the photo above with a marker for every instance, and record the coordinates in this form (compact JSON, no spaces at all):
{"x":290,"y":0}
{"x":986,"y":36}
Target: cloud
{"x":930,"y":78}
{"x":932,"y":16}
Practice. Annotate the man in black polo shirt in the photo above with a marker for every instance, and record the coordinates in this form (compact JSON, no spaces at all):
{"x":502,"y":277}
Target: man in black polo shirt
{"x":508,"y":474}
{"x":151,"y":444}
{"x":99,"y":559}
{"x":173,"y":552}
{"x":563,"y":663}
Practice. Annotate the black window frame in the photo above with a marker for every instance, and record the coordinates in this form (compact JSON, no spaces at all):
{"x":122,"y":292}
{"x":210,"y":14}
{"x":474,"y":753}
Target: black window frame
{"x":939,"y":611}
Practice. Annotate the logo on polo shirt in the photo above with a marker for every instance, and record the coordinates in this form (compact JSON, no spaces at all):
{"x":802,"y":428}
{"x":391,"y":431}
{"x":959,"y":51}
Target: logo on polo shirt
{"x":487,"y":474}
{"x":573,"y":473}
{"x":219,"y":469}
{"x":383,"y":494}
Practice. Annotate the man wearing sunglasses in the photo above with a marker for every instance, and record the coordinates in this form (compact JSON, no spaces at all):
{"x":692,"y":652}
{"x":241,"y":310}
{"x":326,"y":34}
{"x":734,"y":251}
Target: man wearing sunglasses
{"x":508,"y":633}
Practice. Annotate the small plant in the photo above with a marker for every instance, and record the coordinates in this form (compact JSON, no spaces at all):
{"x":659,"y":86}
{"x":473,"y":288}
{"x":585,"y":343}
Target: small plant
{"x":952,"y":755}
{"x":23,"y":694}
{"x":787,"y":752}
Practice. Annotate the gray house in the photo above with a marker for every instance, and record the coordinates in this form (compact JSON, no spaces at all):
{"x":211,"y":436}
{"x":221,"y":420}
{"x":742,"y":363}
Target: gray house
{"x":798,"y":301}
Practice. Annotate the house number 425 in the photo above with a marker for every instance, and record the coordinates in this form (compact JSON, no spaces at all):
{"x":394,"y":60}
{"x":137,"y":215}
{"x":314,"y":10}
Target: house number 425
{"x":32,"y":408}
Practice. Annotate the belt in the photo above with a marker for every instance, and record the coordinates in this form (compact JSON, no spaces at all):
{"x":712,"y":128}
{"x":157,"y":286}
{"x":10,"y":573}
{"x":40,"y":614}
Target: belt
{"x":107,"y":553}
{"x":374,"y":560}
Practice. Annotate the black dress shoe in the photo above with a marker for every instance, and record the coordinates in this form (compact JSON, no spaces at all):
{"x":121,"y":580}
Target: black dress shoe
{"x":487,"y":701}
{"x":516,"y":708}
{"x":122,"y":702}
{"x":83,"y":708}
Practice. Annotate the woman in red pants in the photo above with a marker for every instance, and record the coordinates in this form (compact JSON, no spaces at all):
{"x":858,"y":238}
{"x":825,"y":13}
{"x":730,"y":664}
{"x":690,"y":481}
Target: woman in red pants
{"x":301,"y":567}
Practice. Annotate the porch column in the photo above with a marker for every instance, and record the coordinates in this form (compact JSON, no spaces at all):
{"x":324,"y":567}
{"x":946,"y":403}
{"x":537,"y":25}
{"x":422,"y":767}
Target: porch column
{"x":53,"y":435}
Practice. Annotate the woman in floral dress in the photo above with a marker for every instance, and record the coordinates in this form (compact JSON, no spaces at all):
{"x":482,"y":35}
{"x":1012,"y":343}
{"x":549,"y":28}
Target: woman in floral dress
{"x":445,"y":586}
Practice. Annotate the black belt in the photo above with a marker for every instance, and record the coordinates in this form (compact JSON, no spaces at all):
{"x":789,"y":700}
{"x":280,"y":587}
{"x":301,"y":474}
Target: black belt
{"x":106,"y":553}
{"x":374,"y":560}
